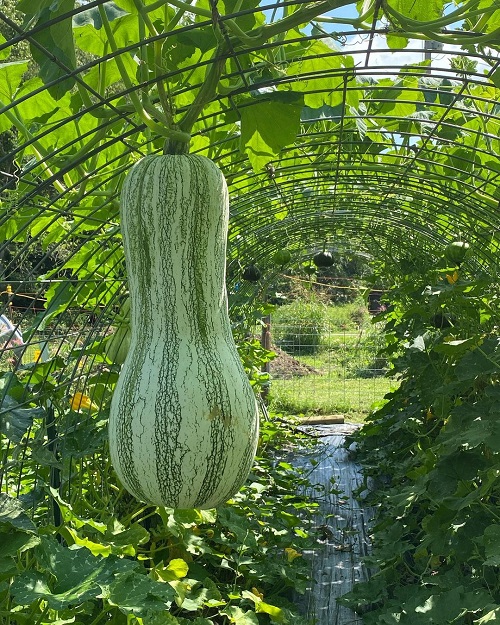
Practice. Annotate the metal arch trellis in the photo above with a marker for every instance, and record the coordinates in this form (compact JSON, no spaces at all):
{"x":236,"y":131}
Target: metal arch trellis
{"x":396,"y":154}
{"x":352,"y":119}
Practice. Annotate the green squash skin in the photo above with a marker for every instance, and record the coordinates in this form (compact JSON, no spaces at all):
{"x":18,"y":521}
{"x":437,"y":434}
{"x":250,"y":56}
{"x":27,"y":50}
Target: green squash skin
{"x":117,"y":345}
{"x":282,"y":257}
{"x":323,"y":259}
{"x":183,"y":426}
{"x":456,"y":252}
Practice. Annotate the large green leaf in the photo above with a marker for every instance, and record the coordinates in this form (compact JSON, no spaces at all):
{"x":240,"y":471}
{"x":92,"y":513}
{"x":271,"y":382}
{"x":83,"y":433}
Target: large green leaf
{"x":68,"y":577}
{"x":52,"y":46}
{"x":92,"y":16}
{"x":91,"y":37}
{"x":420,"y":11}
{"x":441,"y":607}
{"x":315,"y":72}
{"x":266,"y":127}
{"x":13,"y":542}
{"x":493,"y":21}
{"x":396,"y":41}
{"x":138,"y":594}
{"x":13,"y":516}
{"x":167,"y":618}
{"x":241,"y":617}
{"x":492,"y":616}
{"x":59,"y":296}
{"x":33,"y":8}
{"x":491,"y":540}
{"x":10,"y":78}
{"x":5,"y":53}
{"x":15,"y":420}
{"x":45,"y":107}
{"x":85,"y":439}
{"x":197,"y":595}
{"x":484,"y":360}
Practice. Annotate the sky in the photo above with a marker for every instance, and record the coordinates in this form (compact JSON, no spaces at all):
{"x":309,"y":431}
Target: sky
{"x":381,"y":56}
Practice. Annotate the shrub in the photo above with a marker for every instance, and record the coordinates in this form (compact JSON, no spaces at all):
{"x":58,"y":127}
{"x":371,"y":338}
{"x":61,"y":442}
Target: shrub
{"x":298,"y":327}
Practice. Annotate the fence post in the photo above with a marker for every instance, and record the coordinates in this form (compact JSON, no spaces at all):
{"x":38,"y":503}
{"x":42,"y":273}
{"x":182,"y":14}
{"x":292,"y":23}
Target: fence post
{"x":265,"y":342}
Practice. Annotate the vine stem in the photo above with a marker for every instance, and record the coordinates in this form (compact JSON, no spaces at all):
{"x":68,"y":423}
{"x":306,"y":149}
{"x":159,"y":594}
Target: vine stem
{"x":261,"y":34}
{"x":428,"y":30}
{"x":489,"y":510}
{"x":207,"y":90}
{"x":162,"y":93}
{"x":162,"y":130}
{"x":465,"y":39}
{"x":184,"y":6}
{"x":356,"y":22}
{"x":446,"y":20}
{"x":38,"y":149}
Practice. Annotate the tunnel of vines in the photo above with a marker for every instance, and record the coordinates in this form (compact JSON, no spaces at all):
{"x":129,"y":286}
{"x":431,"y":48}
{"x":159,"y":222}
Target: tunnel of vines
{"x":368,"y":130}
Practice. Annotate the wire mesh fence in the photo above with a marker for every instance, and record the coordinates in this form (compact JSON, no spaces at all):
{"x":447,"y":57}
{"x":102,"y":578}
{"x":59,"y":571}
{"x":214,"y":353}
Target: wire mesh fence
{"x":321,"y":370}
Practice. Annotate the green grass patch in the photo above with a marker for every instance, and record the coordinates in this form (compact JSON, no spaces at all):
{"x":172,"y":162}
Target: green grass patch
{"x":324,"y":395}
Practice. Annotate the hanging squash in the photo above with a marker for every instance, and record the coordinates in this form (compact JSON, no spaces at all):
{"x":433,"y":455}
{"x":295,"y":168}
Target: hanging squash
{"x":323,"y":259}
{"x":282,"y":257}
{"x":183,"y":424}
{"x":456,"y":251}
{"x":251,"y":273}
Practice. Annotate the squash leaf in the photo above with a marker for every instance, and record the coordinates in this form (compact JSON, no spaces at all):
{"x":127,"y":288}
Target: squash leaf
{"x":266,"y":127}
{"x":12,"y":516}
{"x":56,"y":37}
{"x":240,"y":617}
{"x":69,"y":576}
{"x":138,"y":594}
{"x":16,"y":420}
{"x":420,"y":11}
{"x":10,"y":77}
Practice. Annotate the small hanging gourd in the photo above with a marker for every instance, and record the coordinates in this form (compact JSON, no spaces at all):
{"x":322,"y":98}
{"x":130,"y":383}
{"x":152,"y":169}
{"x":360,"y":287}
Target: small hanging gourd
{"x":117,"y":345}
{"x":251,"y":273}
{"x":456,"y":251}
{"x":282,"y":257}
{"x":183,"y":424}
{"x":323,"y":259}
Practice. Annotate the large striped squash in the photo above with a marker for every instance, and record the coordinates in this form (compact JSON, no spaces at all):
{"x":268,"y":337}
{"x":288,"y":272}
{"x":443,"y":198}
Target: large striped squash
{"x":183,"y":423}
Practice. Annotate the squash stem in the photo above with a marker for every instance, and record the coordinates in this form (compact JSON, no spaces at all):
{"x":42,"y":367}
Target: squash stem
{"x":162,"y":93}
{"x":448,"y":19}
{"x":207,"y":91}
{"x":184,"y":6}
{"x":162,"y":130}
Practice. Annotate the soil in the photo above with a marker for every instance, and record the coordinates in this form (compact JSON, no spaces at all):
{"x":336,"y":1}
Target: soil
{"x":286,"y":367}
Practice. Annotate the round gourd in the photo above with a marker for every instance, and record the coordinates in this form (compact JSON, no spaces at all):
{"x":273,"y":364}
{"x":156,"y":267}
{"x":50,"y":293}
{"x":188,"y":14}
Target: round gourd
{"x":323,"y":259}
{"x":183,"y":423}
{"x":456,"y":252}
{"x":251,"y":273}
{"x":282,"y":257}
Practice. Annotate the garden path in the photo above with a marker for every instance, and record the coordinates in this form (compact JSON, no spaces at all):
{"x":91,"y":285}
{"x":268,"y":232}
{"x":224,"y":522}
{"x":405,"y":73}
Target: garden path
{"x":343,"y":534}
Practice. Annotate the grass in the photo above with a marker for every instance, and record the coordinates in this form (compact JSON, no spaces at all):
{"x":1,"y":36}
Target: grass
{"x":341,"y":344}
{"x":326,"y":395}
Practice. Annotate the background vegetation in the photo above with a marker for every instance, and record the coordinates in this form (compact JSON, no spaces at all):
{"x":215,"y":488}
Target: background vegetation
{"x":324,"y":145}
{"x":431,"y":457}
{"x":339,"y":345}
